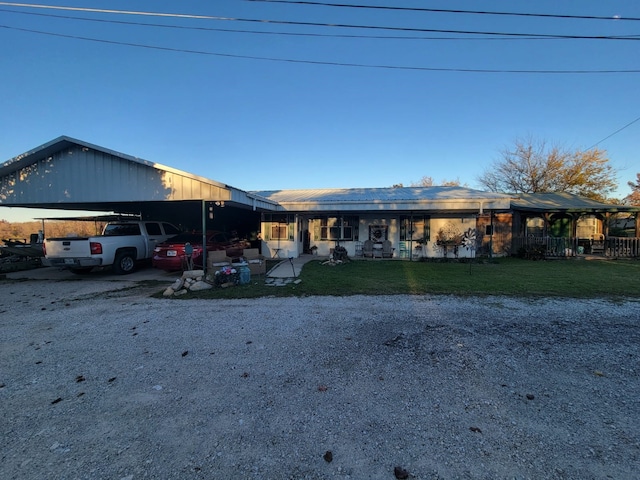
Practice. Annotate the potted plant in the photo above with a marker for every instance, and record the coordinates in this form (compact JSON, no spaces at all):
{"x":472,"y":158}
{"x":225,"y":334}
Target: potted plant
{"x":418,"y":249}
{"x":314,"y":250}
{"x":449,"y":238}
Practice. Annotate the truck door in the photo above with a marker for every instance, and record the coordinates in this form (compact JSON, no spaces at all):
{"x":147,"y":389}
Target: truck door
{"x":154,"y":235}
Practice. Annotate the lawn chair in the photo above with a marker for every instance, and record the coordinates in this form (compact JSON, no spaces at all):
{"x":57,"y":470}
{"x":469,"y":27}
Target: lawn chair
{"x":387,"y":249}
{"x":367,"y":249}
{"x":403,"y":250}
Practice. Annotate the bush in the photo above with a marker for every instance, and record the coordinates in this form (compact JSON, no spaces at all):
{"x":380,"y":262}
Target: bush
{"x":532,"y":252}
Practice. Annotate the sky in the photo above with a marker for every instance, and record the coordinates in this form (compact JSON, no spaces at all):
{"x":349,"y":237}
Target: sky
{"x":265,"y":95}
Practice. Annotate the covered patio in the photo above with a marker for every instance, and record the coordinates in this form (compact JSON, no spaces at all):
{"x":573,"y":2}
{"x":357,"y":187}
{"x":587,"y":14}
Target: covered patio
{"x":565,"y":225}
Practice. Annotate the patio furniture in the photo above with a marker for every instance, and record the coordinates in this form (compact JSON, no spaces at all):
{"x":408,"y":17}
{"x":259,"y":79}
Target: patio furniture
{"x":403,"y":250}
{"x":367,"y":249}
{"x":256,"y":261}
{"x":377,"y":250}
{"x":358,"y":250}
{"x":387,"y":249}
{"x":217,"y":259}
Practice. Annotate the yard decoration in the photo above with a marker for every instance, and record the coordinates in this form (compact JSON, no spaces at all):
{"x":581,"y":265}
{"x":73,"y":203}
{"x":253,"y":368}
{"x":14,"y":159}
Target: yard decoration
{"x":226,"y":277}
{"x":340,"y":254}
{"x":469,"y":239}
{"x":469,"y":242}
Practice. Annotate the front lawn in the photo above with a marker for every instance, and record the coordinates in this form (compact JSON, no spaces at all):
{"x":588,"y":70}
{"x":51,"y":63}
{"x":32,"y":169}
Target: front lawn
{"x":506,"y":276}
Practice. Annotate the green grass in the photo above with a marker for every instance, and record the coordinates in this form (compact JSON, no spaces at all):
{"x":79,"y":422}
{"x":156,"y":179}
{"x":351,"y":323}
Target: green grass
{"x":505,"y":276}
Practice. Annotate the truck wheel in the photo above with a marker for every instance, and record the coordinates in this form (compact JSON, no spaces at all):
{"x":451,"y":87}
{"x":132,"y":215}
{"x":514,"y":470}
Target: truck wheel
{"x":124,"y":263}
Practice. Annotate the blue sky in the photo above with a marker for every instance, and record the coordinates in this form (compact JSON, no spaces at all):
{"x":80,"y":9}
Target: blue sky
{"x":306,"y":120}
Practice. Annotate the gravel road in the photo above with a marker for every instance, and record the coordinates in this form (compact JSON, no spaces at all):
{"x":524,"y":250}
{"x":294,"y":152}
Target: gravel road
{"x":99,"y":381}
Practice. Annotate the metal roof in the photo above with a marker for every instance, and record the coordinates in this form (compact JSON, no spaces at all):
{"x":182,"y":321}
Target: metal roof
{"x":71,"y":173}
{"x":564,"y":202}
{"x":395,"y":198}
{"x":67,"y":172}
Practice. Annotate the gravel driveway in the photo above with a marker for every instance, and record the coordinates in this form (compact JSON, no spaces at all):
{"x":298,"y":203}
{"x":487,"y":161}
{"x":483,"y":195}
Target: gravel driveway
{"x":101,"y":383}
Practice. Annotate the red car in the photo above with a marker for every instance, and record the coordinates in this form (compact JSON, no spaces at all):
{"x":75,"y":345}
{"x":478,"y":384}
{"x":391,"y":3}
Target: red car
{"x":170,"y":255}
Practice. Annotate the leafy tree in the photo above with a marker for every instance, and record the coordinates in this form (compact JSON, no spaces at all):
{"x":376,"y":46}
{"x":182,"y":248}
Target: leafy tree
{"x":531,"y":167}
{"x":634,"y":197}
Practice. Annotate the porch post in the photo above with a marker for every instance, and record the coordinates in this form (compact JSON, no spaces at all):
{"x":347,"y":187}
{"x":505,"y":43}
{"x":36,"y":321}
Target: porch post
{"x":547,"y":222}
{"x":204,"y":237}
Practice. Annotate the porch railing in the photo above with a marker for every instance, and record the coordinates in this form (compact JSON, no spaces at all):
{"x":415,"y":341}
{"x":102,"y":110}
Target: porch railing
{"x":622,"y":247}
{"x":543,"y":247}
{"x":556,"y":247}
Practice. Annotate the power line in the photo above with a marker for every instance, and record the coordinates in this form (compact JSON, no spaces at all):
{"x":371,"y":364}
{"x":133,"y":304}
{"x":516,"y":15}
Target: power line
{"x":442,"y":10}
{"x":314,"y":62}
{"x":614,"y":133}
{"x":295,"y":34}
{"x":122,"y":12}
{"x":318,"y":24}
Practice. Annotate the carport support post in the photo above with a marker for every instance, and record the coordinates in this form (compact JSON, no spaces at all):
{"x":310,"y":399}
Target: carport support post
{"x":204,"y":237}
{"x":491,"y":236}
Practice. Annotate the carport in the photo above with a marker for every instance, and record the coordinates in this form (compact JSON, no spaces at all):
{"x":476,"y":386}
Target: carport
{"x":74,"y":175}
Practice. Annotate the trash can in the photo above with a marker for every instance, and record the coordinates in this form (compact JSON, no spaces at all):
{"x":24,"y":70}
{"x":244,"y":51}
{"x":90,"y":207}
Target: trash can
{"x":245,"y":273}
{"x":580,"y":250}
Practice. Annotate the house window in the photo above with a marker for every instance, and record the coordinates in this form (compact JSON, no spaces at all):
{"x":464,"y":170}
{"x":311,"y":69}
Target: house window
{"x":415,"y":228}
{"x":278,"y":226}
{"x":279,"y":232}
{"x":336,"y":228}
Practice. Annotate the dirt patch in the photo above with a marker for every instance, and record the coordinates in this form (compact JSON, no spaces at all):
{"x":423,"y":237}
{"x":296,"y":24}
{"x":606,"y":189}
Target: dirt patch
{"x":126,"y":386}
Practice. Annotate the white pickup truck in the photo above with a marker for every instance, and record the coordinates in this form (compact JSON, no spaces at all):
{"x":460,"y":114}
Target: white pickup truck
{"x":120,"y":246}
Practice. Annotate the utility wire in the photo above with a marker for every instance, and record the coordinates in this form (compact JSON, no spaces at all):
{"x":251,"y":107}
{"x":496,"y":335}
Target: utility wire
{"x":318,"y":24}
{"x":313,"y":62}
{"x":442,"y":10}
{"x":614,"y":133}
{"x":295,"y":34}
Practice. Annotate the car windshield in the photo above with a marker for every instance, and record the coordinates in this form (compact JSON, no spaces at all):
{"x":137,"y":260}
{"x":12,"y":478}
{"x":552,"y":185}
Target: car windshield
{"x":192,"y":238}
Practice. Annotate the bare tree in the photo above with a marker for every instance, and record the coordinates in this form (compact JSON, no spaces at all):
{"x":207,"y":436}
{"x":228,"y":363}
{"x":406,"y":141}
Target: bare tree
{"x":531,"y":167}
{"x":428,"y":181}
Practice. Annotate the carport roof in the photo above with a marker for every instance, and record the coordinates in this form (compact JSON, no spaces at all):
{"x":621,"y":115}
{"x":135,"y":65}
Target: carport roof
{"x":64,"y":142}
{"x":34,"y":194}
